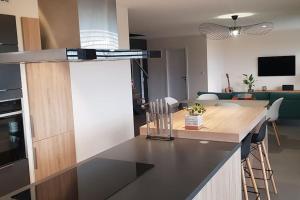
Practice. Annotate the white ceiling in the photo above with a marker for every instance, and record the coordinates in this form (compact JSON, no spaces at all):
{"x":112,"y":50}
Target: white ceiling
{"x":159,"y":18}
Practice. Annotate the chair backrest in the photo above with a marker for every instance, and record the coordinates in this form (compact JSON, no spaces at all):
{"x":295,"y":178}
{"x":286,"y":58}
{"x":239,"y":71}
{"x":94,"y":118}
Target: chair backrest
{"x":208,"y":97}
{"x":273,"y":112}
{"x":245,"y":146}
{"x":228,"y":104}
{"x":171,"y":101}
{"x":260,"y":136}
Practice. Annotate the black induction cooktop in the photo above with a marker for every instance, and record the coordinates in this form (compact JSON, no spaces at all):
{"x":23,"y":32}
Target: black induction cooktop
{"x":96,"y":179}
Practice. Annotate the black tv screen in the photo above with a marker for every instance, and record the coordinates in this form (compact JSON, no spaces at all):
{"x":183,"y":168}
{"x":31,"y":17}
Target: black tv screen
{"x":277,"y":66}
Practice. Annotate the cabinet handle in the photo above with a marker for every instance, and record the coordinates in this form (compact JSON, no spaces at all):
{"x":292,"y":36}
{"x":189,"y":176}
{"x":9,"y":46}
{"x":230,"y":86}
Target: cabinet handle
{"x":35,"y":159}
{"x":32,"y":127}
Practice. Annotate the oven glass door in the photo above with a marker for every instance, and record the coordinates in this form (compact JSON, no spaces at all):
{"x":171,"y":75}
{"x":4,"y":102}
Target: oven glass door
{"x":12,"y":146}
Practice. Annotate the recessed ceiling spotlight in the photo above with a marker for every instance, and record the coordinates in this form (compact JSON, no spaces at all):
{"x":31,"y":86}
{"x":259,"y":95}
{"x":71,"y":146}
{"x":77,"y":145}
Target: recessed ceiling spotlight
{"x":241,"y":15}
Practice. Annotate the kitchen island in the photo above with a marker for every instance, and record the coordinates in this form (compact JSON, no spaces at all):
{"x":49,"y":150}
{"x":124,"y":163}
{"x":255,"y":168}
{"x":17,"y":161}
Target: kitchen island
{"x":183,"y":169}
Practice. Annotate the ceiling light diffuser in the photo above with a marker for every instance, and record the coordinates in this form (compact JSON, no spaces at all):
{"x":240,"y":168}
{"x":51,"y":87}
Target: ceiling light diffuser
{"x":241,"y":15}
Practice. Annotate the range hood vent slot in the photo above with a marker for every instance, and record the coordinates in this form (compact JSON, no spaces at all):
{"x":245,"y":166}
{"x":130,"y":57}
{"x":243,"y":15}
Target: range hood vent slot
{"x":75,"y":55}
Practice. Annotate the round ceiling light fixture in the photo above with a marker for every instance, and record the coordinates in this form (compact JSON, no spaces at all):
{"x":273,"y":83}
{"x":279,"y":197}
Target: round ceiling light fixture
{"x":220,"y":32}
{"x":241,"y":15}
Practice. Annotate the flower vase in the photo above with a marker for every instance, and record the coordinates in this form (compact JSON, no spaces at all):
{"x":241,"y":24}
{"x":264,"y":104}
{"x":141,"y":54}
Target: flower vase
{"x":193,"y":122}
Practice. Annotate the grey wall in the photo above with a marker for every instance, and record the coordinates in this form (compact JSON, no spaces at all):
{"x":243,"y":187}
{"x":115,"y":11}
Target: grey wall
{"x":196,"y":49}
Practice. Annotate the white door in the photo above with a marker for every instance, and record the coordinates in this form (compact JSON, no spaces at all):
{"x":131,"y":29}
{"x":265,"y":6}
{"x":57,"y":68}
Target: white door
{"x":176,"y":73}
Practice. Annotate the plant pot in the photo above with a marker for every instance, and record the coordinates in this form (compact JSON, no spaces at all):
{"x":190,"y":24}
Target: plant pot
{"x":250,"y":90}
{"x":193,"y":122}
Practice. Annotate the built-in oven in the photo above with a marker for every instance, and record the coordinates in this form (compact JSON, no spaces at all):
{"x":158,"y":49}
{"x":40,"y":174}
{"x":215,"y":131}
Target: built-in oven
{"x":10,"y":75}
{"x":12,"y":144}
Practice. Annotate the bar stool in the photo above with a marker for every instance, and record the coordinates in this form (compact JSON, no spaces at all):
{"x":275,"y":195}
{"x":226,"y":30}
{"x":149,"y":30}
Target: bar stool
{"x":257,"y":143}
{"x":273,"y":114}
{"x":245,"y":151}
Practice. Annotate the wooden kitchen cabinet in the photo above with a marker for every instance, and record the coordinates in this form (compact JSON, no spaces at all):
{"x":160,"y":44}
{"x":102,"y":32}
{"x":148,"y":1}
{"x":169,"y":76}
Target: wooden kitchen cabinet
{"x":49,"y":89}
{"x":54,"y":154}
{"x":50,"y":107}
{"x":50,"y":99}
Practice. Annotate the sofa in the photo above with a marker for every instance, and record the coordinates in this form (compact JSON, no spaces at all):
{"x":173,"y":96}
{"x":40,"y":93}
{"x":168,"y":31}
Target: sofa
{"x":290,"y":107}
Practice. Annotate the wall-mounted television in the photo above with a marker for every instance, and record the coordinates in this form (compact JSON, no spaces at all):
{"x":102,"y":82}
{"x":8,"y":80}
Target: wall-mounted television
{"x":277,"y":66}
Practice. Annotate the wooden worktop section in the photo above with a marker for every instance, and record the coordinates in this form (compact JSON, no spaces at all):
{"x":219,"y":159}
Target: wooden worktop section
{"x":246,"y":103}
{"x":228,"y":124}
{"x":283,"y":91}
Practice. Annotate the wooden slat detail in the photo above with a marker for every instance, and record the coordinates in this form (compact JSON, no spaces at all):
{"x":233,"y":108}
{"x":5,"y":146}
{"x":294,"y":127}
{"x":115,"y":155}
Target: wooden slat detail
{"x":226,"y":183}
{"x":54,"y":154}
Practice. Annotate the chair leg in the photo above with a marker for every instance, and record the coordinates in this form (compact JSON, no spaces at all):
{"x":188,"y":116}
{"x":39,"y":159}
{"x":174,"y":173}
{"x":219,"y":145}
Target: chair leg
{"x":269,"y":167}
{"x":262,"y":162}
{"x":244,"y":183}
{"x":276,"y":132}
{"x":252,"y":177}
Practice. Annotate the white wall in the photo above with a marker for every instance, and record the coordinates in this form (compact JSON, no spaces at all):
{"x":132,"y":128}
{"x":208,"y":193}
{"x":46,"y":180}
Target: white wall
{"x":102,"y":100}
{"x":215,"y":63}
{"x":240,"y":57}
{"x":196,"y":64}
{"x":23,"y":8}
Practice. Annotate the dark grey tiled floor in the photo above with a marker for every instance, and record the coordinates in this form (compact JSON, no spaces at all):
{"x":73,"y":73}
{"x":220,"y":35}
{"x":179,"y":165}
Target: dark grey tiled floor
{"x":285,"y":161}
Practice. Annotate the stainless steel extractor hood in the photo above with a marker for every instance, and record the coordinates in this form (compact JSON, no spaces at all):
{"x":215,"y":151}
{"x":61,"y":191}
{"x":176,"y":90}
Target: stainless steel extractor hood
{"x":74,"y":55}
{"x":77,"y":30}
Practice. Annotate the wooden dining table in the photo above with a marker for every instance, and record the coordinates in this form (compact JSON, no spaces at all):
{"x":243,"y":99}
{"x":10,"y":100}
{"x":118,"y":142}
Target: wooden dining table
{"x":220,"y":123}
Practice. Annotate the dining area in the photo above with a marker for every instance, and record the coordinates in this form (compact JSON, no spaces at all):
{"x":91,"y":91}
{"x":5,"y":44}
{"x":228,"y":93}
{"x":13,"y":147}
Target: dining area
{"x":232,"y":121}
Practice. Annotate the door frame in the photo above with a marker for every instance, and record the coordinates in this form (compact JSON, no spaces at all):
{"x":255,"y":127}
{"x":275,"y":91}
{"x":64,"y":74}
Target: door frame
{"x":168,"y":67}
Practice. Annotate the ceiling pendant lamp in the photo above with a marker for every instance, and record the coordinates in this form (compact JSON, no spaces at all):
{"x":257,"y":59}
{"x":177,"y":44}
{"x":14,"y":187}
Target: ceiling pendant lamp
{"x":220,"y":32}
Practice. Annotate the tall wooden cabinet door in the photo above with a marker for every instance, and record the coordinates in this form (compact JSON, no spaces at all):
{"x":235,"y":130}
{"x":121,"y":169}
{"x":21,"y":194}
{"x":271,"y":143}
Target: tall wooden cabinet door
{"x":49,"y":89}
{"x":54,"y":154}
{"x":50,"y":100}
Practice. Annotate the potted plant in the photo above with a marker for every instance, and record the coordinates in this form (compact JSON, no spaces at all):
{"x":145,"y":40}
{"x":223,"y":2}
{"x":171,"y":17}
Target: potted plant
{"x":195,"y":119}
{"x":249,"y":81}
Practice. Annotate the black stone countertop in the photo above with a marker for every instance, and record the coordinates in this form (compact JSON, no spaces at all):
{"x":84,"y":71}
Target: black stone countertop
{"x":181,"y":167}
